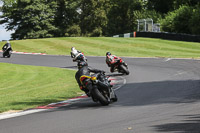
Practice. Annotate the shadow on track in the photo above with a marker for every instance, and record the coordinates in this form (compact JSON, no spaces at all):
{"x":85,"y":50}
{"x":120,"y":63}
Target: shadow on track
{"x":140,"y":94}
{"x":190,"y":124}
{"x":71,"y":67}
{"x":118,"y":74}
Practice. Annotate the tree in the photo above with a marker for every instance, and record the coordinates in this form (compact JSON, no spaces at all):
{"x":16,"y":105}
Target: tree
{"x":178,"y":21}
{"x":194,"y":21}
{"x":73,"y":31}
{"x":143,"y":14}
{"x":178,"y":3}
{"x":30,"y":18}
{"x":121,"y":17}
{"x":161,"y":6}
{"x":67,"y":16}
{"x":93,"y":17}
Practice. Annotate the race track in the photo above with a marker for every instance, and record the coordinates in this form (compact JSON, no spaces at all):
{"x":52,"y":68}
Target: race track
{"x":160,"y":95}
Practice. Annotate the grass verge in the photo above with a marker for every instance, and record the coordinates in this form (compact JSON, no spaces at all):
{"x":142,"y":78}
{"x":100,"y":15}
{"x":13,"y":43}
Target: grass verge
{"x":98,"y":46}
{"x":24,"y":87}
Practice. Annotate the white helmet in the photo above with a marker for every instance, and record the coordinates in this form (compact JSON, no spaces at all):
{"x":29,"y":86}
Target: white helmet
{"x":73,"y":48}
{"x":74,"y":51}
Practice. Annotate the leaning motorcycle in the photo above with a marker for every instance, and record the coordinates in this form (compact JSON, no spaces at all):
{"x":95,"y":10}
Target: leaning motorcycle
{"x":121,"y":67}
{"x":102,"y":90}
{"x":7,"y":51}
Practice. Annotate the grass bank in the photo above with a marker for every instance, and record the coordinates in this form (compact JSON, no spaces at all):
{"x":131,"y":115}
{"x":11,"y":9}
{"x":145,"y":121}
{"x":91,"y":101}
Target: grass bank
{"x":97,"y":46}
{"x":23,"y":86}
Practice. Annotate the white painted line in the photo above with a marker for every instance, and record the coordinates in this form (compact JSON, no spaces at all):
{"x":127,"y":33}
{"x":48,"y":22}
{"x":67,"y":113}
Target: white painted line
{"x":17,"y":52}
{"x":26,"y":112}
{"x":11,"y":115}
{"x":180,"y":73}
{"x":168,"y":59}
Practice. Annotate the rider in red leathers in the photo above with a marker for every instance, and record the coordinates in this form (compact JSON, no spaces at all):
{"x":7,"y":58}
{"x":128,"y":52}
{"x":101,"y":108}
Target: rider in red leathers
{"x":111,"y":60}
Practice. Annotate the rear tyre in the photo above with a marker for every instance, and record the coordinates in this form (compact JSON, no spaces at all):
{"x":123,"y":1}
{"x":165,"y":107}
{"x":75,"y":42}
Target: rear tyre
{"x":103,"y":100}
{"x":124,"y":69}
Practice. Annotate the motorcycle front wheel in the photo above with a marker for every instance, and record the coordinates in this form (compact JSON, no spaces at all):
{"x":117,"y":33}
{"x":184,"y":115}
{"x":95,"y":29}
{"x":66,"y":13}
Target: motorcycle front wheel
{"x":9,"y":54}
{"x":102,"y":99}
{"x":4,"y":55}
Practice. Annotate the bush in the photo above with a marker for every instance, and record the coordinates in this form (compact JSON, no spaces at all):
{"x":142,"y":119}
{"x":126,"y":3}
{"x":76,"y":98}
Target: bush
{"x":178,"y":21}
{"x":73,"y":31}
{"x":96,"y":32}
{"x":194,"y":21}
{"x":147,"y":14}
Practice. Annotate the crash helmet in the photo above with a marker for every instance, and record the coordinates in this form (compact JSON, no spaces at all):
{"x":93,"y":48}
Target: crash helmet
{"x":108,"y":54}
{"x":73,"y":48}
{"x":74,"y":52}
{"x":82,"y":64}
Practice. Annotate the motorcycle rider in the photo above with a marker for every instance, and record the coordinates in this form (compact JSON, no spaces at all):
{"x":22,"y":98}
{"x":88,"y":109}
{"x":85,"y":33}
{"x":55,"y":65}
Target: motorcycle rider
{"x":111,"y":60}
{"x":85,"y":84}
{"x":77,"y":55}
{"x":7,"y":49}
{"x":6,"y":46}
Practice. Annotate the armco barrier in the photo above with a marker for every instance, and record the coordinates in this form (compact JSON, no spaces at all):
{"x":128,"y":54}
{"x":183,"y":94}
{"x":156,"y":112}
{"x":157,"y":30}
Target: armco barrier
{"x":169,"y":36}
{"x":163,"y":35}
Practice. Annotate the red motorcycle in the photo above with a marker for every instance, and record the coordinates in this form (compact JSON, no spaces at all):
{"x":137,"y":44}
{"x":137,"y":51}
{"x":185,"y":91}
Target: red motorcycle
{"x":121,"y":67}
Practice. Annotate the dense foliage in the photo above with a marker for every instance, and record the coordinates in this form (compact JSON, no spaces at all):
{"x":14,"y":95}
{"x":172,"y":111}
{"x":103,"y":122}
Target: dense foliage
{"x":56,"y":18}
{"x":183,"y":20}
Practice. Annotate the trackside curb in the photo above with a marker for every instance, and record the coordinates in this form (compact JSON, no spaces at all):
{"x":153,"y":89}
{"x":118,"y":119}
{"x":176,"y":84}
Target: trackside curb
{"x":59,"y":104}
{"x":17,"y":52}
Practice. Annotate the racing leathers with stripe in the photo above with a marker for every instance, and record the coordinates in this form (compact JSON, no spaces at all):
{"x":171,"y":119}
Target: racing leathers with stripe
{"x":111,"y":60}
{"x":86,"y":85}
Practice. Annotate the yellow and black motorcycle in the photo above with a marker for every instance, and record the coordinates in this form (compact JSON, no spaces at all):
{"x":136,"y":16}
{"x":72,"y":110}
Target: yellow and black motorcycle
{"x":102,"y":90}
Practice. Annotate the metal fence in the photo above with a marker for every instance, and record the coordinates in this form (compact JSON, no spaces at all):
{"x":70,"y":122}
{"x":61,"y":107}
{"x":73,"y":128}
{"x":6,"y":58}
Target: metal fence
{"x":163,"y":35}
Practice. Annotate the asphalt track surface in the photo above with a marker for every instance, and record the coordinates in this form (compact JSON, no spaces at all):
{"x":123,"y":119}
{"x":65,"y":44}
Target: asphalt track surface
{"x":160,"y":95}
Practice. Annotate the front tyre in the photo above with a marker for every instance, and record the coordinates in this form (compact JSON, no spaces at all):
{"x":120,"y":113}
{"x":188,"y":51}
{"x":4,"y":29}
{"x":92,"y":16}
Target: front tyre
{"x":103,"y":100}
{"x":4,"y":55}
{"x":9,"y":54}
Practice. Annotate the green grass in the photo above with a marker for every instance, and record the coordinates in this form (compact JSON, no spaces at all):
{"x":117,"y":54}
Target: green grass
{"x":98,"y":46}
{"x":23,"y":86}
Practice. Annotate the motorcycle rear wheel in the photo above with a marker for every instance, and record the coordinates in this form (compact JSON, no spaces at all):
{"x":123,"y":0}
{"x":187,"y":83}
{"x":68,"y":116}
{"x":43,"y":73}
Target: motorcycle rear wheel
{"x":124,"y":69}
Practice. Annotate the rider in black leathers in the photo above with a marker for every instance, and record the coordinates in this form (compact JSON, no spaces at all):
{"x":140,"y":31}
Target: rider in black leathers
{"x":7,"y":49}
{"x":86,"y":84}
{"x":6,"y":46}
